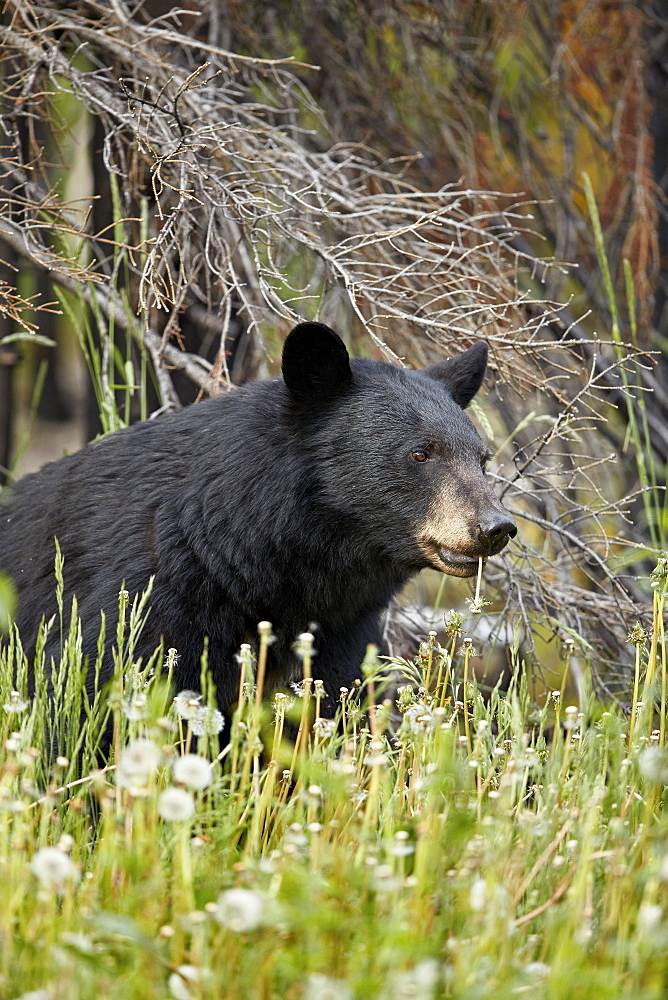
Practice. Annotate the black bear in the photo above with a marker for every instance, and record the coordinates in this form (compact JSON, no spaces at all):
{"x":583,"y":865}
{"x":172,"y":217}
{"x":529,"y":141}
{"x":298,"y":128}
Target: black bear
{"x":308,"y":498}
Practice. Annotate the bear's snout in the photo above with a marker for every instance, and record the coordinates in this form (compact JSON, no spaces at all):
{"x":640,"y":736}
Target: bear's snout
{"x":495,"y":532}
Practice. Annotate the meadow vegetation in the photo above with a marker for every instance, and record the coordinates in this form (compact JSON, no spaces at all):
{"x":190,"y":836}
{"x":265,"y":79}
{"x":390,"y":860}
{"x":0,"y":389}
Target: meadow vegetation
{"x":437,"y":844}
{"x":435,"y":839}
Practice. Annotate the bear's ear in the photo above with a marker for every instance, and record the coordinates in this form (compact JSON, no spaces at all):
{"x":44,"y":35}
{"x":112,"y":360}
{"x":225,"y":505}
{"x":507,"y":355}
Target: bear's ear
{"x":315,"y":363}
{"x":462,"y":376}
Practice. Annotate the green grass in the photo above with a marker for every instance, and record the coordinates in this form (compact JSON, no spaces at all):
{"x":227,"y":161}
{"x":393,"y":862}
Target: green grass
{"x":482,"y":849}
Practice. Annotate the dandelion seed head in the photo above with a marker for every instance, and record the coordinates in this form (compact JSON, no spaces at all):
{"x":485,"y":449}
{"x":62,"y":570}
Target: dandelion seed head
{"x":303,"y":647}
{"x":324,"y":727}
{"x":420,"y":718}
{"x":176,"y":805}
{"x":207,"y":722}
{"x":187,"y":704}
{"x":478,"y":894}
{"x":172,"y":657}
{"x":319,"y":987}
{"x":134,"y":707}
{"x":383,"y":879}
{"x":402,"y":846}
{"x":537,"y":970}
{"x":417,"y":983}
{"x":16,"y":704}
{"x":138,"y":761}
{"x":653,"y":765}
{"x":192,"y":770}
{"x":240,"y":910}
{"x":649,"y":917}
{"x":54,"y":869}
{"x":180,"y":983}
{"x":77,"y":941}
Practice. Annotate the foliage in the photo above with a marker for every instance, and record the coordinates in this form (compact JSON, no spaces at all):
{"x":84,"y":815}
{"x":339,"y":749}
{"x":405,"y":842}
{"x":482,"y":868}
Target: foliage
{"x":471,"y":849}
{"x":236,"y":201}
{"x":441,"y":844}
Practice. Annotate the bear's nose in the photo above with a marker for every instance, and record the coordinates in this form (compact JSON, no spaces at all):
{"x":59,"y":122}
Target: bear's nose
{"x":495,"y":531}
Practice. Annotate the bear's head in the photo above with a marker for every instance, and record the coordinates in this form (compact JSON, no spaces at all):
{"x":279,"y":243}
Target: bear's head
{"x":391,"y":455}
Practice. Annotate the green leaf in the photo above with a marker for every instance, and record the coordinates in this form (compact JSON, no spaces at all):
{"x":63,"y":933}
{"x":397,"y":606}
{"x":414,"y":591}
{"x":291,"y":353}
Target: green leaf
{"x":35,"y":338}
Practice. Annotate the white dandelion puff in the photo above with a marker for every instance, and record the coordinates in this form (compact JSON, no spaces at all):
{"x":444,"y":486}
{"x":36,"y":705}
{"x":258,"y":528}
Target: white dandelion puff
{"x":537,"y":970}
{"x":420,"y":718}
{"x":417,"y":983}
{"x":192,"y":770}
{"x":663,"y":868}
{"x":182,"y":981}
{"x":176,"y":805}
{"x":240,"y":910}
{"x":41,"y":994}
{"x":207,"y":721}
{"x":16,"y":704}
{"x":54,"y":869}
{"x":319,"y":987}
{"x":402,"y":845}
{"x":383,"y":879}
{"x":188,"y":704}
{"x":649,"y":917}
{"x":324,"y":727}
{"x":653,"y":765}
{"x":138,"y":761}
{"x":478,"y":894}
{"x":134,"y":707}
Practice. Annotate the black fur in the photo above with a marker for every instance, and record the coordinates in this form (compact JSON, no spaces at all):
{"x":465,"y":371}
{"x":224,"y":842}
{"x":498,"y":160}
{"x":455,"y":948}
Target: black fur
{"x":293,"y":500}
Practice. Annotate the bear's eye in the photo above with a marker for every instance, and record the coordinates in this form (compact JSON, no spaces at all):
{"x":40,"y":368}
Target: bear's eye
{"x":420,"y":456}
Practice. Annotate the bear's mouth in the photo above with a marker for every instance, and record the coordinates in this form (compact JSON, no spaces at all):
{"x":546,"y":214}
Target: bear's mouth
{"x":454,"y":563}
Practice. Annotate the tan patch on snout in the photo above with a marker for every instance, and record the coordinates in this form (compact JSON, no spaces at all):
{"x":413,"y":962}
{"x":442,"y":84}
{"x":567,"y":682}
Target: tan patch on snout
{"x":449,"y":527}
